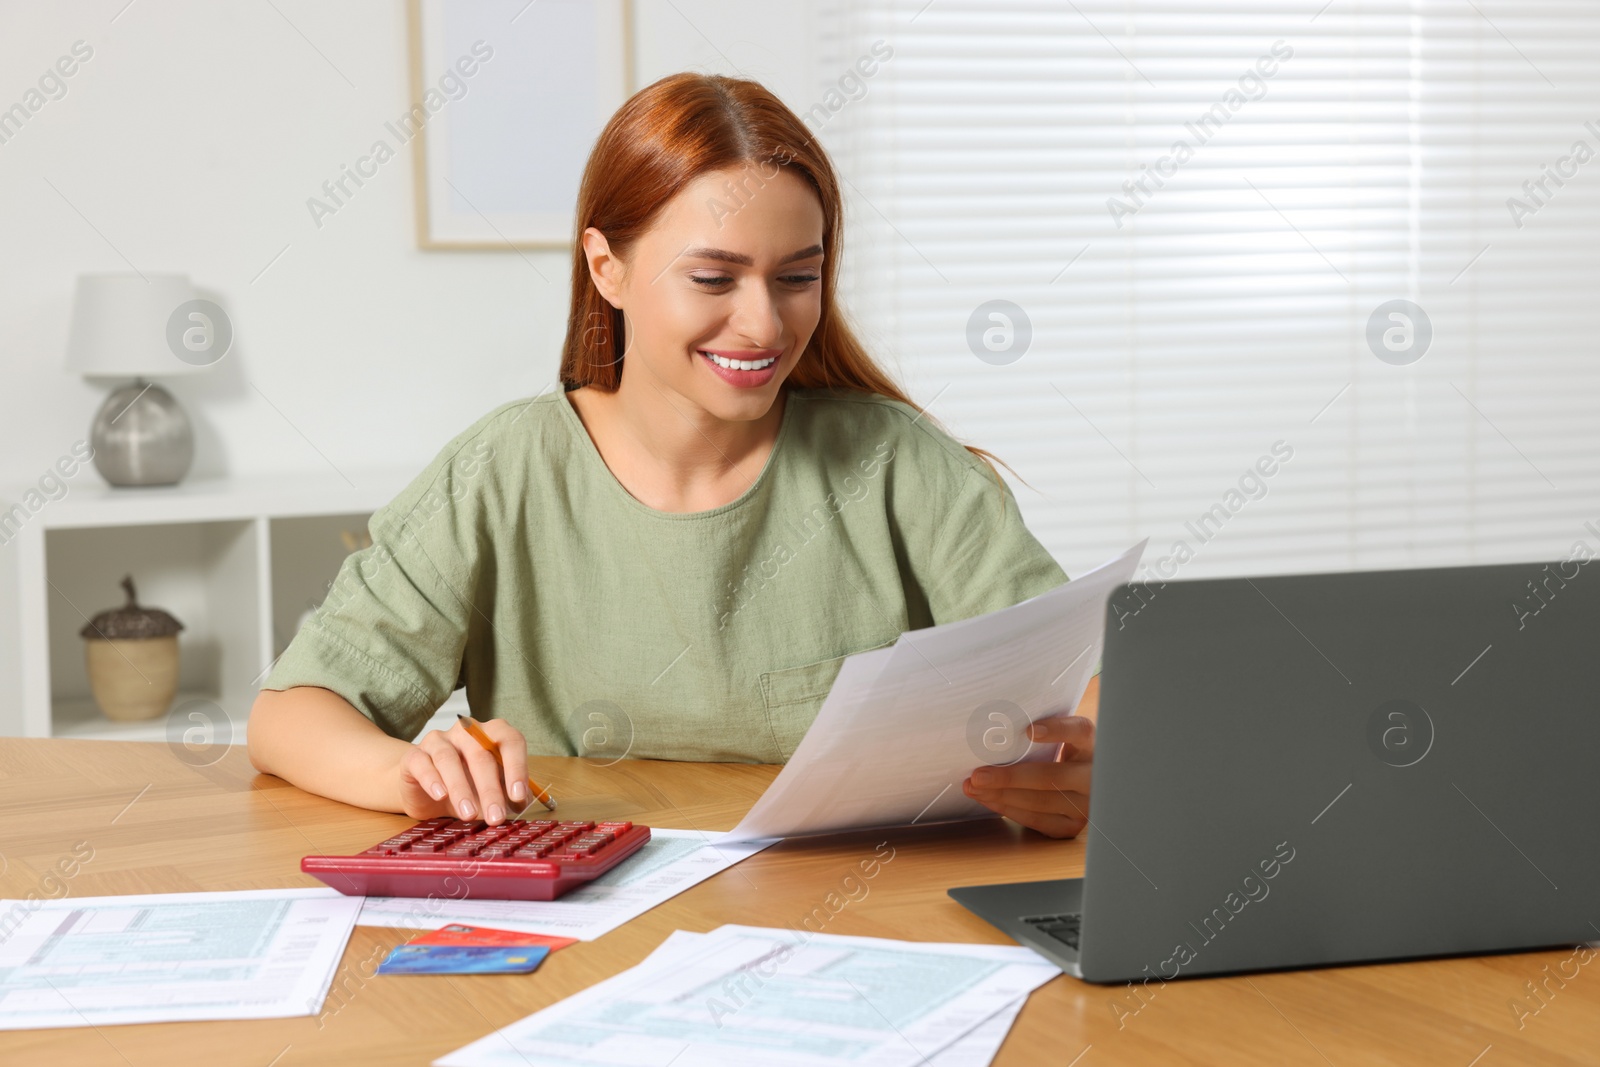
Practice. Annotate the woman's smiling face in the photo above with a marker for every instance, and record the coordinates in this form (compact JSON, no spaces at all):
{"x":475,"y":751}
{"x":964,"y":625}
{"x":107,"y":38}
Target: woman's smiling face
{"x":720,"y":300}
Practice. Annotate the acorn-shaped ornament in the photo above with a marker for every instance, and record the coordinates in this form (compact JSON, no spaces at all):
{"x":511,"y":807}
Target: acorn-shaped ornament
{"x":132,"y":655}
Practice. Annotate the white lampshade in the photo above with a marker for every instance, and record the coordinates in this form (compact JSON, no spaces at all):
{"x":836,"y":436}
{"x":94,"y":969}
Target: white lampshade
{"x":119,"y":325}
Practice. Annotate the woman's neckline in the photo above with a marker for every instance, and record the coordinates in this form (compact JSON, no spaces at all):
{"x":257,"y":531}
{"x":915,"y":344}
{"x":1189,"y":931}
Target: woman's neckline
{"x":592,"y":456}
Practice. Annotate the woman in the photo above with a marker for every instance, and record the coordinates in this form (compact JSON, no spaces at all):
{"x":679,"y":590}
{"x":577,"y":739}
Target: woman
{"x":681,"y":546}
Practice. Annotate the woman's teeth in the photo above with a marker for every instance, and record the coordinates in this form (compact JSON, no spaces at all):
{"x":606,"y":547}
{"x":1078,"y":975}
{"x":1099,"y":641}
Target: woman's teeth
{"x":738,"y":364}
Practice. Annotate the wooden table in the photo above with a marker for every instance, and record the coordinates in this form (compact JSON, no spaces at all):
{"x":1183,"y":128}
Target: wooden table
{"x":159,"y":825}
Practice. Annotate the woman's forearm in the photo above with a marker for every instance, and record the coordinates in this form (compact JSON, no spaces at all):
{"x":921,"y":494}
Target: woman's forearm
{"x":317,"y":740}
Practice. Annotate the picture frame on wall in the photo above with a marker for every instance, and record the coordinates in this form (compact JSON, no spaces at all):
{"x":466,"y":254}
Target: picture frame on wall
{"x":507,"y":99}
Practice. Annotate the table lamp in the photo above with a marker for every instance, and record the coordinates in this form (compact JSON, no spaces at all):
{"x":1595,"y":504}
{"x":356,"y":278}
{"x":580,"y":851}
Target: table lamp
{"x":135,"y":326}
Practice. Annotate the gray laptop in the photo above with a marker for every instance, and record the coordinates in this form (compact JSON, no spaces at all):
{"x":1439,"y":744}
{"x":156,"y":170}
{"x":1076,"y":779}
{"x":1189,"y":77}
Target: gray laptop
{"x":1333,"y":768}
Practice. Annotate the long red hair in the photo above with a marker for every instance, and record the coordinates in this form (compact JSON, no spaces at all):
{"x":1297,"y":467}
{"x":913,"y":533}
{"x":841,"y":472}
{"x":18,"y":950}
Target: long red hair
{"x":663,"y":138}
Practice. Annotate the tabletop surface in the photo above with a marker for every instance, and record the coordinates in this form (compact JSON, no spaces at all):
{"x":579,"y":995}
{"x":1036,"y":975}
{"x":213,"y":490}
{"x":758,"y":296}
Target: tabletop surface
{"x":157,"y":824}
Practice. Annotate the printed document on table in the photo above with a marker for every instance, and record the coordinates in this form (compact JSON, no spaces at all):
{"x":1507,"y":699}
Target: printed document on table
{"x":170,"y":957}
{"x":670,"y":862}
{"x":903,"y":726}
{"x":780,"y":998}
{"x":976,"y":1048}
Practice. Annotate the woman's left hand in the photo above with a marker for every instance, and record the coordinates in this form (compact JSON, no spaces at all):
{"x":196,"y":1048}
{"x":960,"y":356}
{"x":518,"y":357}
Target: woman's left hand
{"x":1050,"y":797}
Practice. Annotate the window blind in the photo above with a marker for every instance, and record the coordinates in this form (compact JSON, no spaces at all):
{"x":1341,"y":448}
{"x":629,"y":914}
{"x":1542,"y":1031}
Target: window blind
{"x":1203,"y":215}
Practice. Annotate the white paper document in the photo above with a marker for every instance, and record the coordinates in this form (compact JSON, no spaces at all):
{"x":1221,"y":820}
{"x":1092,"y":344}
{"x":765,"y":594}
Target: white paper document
{"x":170,"y":957}
{"x":903,"y":726}
{"x":976,"y":1048}
{"x":744,"y":995}
{"x":670,"y":862}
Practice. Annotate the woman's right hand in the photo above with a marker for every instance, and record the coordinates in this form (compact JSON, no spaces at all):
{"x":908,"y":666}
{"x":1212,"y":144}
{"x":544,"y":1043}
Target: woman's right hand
{"x":447,"y":773}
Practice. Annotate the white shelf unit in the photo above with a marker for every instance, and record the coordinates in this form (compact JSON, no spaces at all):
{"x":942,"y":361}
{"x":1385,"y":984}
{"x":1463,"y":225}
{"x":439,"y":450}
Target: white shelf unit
{"x":237,"y":560}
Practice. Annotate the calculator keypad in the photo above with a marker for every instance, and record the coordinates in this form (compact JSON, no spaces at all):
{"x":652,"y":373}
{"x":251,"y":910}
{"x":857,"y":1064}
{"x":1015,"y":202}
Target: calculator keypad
{"x":516,"y":839}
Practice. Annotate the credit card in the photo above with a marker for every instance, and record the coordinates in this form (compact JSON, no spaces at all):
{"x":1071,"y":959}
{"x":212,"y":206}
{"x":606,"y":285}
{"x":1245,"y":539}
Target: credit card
{"x":462,"y":934}
{"x":463,"y":959}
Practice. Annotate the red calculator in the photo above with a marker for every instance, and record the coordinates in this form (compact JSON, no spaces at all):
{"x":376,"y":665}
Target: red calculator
{"x":518,"y":860}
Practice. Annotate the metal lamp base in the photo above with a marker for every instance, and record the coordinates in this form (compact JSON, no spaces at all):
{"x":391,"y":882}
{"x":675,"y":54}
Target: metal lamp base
{"x":141,"y":436}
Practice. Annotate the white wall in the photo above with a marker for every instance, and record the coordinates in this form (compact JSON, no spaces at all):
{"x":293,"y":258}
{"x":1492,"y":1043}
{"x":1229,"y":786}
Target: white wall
{"x":190,"y":141}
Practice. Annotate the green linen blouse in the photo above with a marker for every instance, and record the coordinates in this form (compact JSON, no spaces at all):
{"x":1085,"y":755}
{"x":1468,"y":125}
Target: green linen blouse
{"x":518,"y":566}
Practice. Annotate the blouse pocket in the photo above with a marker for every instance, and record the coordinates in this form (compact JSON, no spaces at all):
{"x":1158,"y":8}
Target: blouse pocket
{"x":794,"y":695}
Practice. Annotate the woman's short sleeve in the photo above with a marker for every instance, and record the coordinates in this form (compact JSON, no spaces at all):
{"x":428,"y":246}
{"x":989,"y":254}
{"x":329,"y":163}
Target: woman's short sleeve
{"x":390,"y":634}
{"x":984,"y":557}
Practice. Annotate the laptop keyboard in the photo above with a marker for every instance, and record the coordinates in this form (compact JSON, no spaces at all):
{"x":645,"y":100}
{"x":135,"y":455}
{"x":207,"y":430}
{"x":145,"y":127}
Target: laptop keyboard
{"x":1064,"y":928}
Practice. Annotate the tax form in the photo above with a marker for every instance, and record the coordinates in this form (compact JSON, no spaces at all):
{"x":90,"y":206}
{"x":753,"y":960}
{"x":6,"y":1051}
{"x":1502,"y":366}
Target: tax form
{"x":670,"y":862}
{"x":171,"y":957}
{"x":976,"y":1048}
{"x":781,"y":998}
{"x":903,"y":726}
